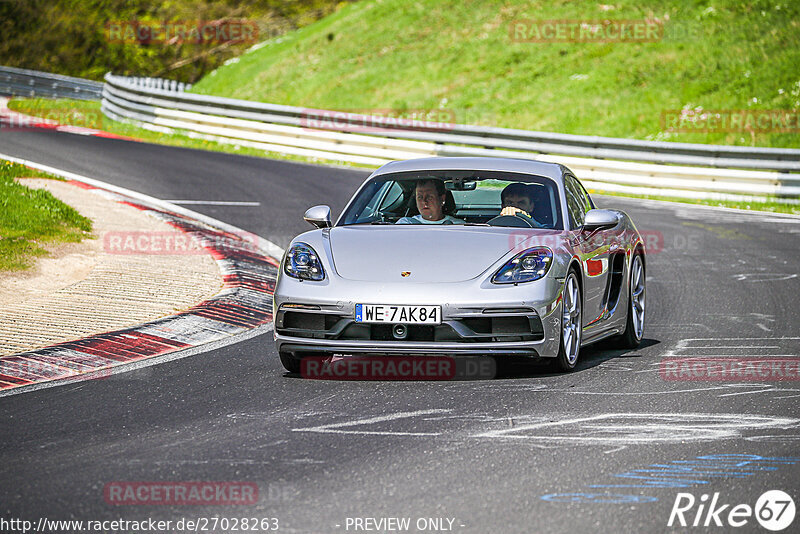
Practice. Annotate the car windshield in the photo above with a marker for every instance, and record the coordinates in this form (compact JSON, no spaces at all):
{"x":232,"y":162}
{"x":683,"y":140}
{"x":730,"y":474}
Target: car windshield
{"x":470,"y":197}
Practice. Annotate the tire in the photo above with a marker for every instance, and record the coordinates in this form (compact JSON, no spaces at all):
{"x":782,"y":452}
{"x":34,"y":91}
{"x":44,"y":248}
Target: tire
{"x":634,"y":323}
{"x":290,"y":362}
{"x":569,"y":346}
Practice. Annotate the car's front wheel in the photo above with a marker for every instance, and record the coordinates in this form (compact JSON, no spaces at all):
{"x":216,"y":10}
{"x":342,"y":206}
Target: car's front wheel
{"x":571,"y":325}
{"x":634,"y":325}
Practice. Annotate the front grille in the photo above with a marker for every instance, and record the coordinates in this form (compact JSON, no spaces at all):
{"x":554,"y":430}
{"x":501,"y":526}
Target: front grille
{"x":306,"y":324}
{"x":522,"y":327}
{"x":478,"y":330}
{"x":494,"y":328}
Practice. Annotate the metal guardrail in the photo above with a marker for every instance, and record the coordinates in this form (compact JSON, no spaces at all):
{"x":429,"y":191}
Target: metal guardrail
{"x":602,"y":163}
{"x":492,"y":138}
{"x":31,"y":83}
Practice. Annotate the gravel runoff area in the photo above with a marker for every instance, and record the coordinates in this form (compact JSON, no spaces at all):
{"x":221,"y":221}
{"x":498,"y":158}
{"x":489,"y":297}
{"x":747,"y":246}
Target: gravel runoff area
{"x":136,"y":269}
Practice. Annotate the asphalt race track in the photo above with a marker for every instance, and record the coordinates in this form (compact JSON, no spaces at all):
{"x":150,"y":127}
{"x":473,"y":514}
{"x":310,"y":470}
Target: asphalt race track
{"x":606,"y":448}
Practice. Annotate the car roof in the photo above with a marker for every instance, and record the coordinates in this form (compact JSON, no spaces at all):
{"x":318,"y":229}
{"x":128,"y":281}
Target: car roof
{"x":539,"y":168}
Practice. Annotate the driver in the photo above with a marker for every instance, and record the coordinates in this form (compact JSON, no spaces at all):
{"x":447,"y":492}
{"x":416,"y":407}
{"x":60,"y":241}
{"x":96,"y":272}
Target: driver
{"x":517,"y":199}
{"x":430,"y":195}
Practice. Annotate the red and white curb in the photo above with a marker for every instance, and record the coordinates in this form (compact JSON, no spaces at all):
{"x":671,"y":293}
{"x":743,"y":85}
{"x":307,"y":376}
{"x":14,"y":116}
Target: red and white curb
{"x":13,"y":120}
{"x":249,"y":266}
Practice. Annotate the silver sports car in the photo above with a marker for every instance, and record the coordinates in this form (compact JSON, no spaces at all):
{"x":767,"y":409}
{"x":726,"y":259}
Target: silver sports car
{"x":462,"y":256}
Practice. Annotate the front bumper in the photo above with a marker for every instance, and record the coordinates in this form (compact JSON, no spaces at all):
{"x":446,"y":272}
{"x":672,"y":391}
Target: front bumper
{"x":301,"y":346}
{"x":521,"y":320}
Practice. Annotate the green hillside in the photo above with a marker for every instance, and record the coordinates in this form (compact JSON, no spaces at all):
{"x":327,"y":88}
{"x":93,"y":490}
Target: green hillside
{"x":458,"y":56}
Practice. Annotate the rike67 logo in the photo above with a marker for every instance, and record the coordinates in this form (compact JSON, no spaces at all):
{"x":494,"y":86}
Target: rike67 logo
{"x":774,"y":511}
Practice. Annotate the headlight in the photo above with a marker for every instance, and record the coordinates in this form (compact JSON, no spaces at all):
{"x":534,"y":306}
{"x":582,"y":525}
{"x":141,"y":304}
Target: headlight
{"x":525,"y":266}
{"x":303,"y":263}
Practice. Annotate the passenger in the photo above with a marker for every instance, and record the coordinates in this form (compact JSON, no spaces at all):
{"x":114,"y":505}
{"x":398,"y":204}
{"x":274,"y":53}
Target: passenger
{"x":431,"y":198}
{"x":516,"y":199}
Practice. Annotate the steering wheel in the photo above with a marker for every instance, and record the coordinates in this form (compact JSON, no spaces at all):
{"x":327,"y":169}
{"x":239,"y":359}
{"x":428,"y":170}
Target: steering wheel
{"x":515,"y":221}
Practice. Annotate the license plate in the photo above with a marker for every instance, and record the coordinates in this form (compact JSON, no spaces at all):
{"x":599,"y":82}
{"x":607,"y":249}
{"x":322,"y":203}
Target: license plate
{"x":380,"y":313}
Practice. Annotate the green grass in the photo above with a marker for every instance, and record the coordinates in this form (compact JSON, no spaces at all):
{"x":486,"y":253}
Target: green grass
{"x":458,"y":56}
{"x":32,"y":219}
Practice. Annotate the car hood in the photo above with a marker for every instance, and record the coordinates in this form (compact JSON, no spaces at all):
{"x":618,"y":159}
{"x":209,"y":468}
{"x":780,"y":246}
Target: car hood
{"x":439,"y":254}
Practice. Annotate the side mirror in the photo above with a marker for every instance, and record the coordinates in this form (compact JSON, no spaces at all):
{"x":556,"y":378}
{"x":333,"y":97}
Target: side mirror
{"x":600,"y":220}
{"x":318,"y":216}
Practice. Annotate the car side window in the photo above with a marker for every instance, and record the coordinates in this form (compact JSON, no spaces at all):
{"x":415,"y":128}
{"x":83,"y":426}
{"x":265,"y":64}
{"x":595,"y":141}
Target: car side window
{"x":393,"y":198}
{"x":383,"y":200}
{"x":575,"y":204}
{"x":586,"y":199}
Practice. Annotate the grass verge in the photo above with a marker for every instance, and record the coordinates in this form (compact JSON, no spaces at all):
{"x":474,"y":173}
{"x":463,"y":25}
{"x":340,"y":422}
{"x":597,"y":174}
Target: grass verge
{"x":32,"y":219}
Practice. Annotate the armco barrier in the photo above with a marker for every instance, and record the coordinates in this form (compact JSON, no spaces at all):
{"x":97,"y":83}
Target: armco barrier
{"x":31,"y":83}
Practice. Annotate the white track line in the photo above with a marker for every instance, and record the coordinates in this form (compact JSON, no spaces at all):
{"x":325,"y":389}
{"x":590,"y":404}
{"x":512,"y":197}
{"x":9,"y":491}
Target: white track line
{"x":338,"y":428}
{"x":215,"y":202}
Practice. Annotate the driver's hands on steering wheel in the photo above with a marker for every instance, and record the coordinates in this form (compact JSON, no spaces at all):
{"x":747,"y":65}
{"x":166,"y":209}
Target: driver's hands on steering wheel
{"x":511,"y":210}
